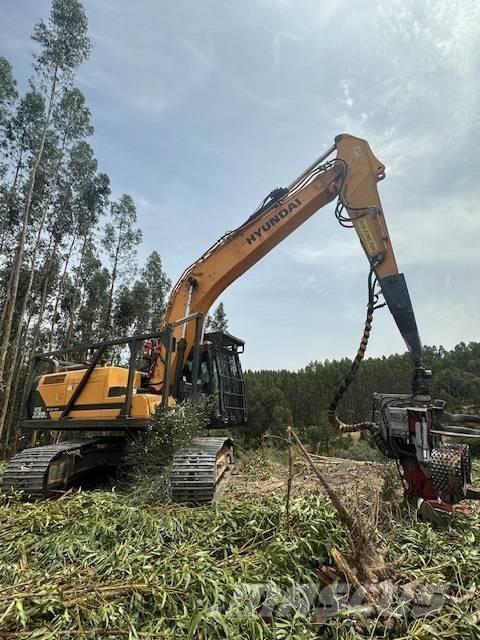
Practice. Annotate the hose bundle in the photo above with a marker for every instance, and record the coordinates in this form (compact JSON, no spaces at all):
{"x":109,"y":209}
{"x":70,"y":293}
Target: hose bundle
{"x":333,"y":418}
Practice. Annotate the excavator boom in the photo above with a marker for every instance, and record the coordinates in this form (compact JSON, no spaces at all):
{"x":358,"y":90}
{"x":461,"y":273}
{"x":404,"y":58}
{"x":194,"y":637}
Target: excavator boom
{"x":351,"y":176}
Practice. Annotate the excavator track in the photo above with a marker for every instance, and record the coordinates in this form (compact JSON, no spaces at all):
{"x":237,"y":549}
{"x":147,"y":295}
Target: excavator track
{"x":45,"y":471}
{"x":200,"y":471}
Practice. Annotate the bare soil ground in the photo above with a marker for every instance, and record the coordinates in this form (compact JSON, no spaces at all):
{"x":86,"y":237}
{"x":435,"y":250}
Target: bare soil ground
{"x":351,"y":480}
{"x":365,"y":488}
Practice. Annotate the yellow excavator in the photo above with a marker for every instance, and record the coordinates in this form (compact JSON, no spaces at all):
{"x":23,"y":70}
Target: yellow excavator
{"x":184,"y":361}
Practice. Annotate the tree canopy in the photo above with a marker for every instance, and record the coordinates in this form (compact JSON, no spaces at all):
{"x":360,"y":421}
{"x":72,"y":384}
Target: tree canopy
{"x":68,"y":256}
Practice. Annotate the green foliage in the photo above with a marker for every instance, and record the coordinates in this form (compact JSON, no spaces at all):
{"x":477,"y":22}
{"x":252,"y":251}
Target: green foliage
{"x":22,"y":130}
{"x":218,"y":321}
{"x":362,"y":450}
{"x":148,"y":457}
{"x":325,"y":437}
{"x":71,"y":116}
{"x":141,"y":307}
{"x":121,"y":235}
{"x":99,"y":566}
{"x":268,"y":411}
{"x":390,"y":483}
{"x":157,"y":285}
{"x":120,"y":241}
{"x":56,"y":288}
{"x":93,"y":282}
{"x":8,"y":91}
{"x":63,"y":39}
{"x":261,"y":464}
{"x":307,"y":393}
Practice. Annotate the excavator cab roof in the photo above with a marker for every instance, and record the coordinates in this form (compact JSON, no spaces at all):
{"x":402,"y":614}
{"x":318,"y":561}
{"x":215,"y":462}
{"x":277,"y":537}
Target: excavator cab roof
{"x":225,"y":339}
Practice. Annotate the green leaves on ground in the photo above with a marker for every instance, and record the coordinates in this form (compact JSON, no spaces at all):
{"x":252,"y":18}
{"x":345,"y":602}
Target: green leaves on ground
{"x":97,"y":563}
{"x":148,"y":457}
{"x":97,"y":566}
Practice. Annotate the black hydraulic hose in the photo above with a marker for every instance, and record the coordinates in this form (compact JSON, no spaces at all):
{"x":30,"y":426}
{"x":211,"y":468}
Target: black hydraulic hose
{"x":334,"y":420}
{"x":367,"y":425}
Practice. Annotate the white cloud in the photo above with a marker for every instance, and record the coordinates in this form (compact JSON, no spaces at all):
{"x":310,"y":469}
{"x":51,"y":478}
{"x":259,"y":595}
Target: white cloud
{"x":206,"y":61}
{"x":440,"y":234}
{"x":341,"y":254}
{"x":346,"y":93}
{"x":277,"y":39}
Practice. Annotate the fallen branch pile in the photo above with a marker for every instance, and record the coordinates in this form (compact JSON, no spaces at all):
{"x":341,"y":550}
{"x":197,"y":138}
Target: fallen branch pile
{"x":96,"y":566}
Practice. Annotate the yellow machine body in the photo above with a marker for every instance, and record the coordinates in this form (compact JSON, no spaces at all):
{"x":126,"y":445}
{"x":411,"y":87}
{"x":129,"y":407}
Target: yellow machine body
{"x":101,"y":399}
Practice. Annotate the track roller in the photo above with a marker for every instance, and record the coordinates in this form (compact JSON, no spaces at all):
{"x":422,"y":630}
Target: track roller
{"x":200,"y":471}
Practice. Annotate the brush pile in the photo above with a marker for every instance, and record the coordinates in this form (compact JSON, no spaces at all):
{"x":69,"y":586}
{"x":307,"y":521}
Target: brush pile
{"x":98,"y":566}
{"x":148,"y":458}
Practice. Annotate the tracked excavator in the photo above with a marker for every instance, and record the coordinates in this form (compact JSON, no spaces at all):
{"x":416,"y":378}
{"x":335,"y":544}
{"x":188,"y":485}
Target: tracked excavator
{"x":183,"y":361}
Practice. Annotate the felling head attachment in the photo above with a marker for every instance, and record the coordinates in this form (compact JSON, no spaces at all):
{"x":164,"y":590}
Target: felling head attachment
{"x":413,"y":431}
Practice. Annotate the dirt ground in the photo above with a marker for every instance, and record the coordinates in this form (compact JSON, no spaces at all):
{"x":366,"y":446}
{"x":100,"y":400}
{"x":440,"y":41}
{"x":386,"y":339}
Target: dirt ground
{"x":364,"y":487}
{"x":350,"y":479}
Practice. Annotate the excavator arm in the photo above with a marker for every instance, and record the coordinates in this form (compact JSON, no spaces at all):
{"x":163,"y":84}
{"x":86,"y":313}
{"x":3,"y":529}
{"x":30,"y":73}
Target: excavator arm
{"x":359,"y":196}
{"x":352,"y":177}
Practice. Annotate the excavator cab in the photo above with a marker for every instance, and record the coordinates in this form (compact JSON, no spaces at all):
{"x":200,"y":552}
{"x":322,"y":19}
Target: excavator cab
{"x":219,"y":379}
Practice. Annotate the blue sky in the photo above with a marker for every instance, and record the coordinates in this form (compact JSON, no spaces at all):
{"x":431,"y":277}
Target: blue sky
{"x":201,"y":108}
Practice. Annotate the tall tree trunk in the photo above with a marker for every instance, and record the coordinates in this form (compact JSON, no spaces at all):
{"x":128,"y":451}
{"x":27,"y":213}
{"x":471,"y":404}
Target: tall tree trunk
{"x":5,"y":305}
{"x":5,"y":235}
{"x":43,"y":302}
{"x":23,"y":234}
{"x":15,"y":362}
{"x":112,"y":287}
{"x":21,"y":322}
{"x":73,"y":308}
{"x":13,"y":188}
{"x":59,"y":292}
{"x":14,"y":406}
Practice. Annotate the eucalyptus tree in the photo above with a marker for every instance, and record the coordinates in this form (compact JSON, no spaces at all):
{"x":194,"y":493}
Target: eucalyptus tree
{"x":125,"y":310}
{"x":157,"y":285}
{"x":141,"y":307}
{"x":8,"y":90}
{"x":71,"y":123}
{"x":95,"y":193}
{"x":87,"y":193}
{"x":63,"y":45}
{"x":8,"y":95}
{"x":218,"y":320}
{"x":49,"y":159}
{"x":120,"y":241}
{"x":94,"y":287}
{"x":22,"y":130}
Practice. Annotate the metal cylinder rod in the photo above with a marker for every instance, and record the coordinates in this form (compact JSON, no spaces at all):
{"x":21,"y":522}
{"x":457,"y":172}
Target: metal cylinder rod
{"x":188,"y":307}
{"x":313,"y":165}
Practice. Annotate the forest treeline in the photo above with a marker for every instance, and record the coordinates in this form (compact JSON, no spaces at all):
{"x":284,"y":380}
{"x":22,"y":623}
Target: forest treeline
{"x":68,"y":251}
{"x":279,"y":398}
